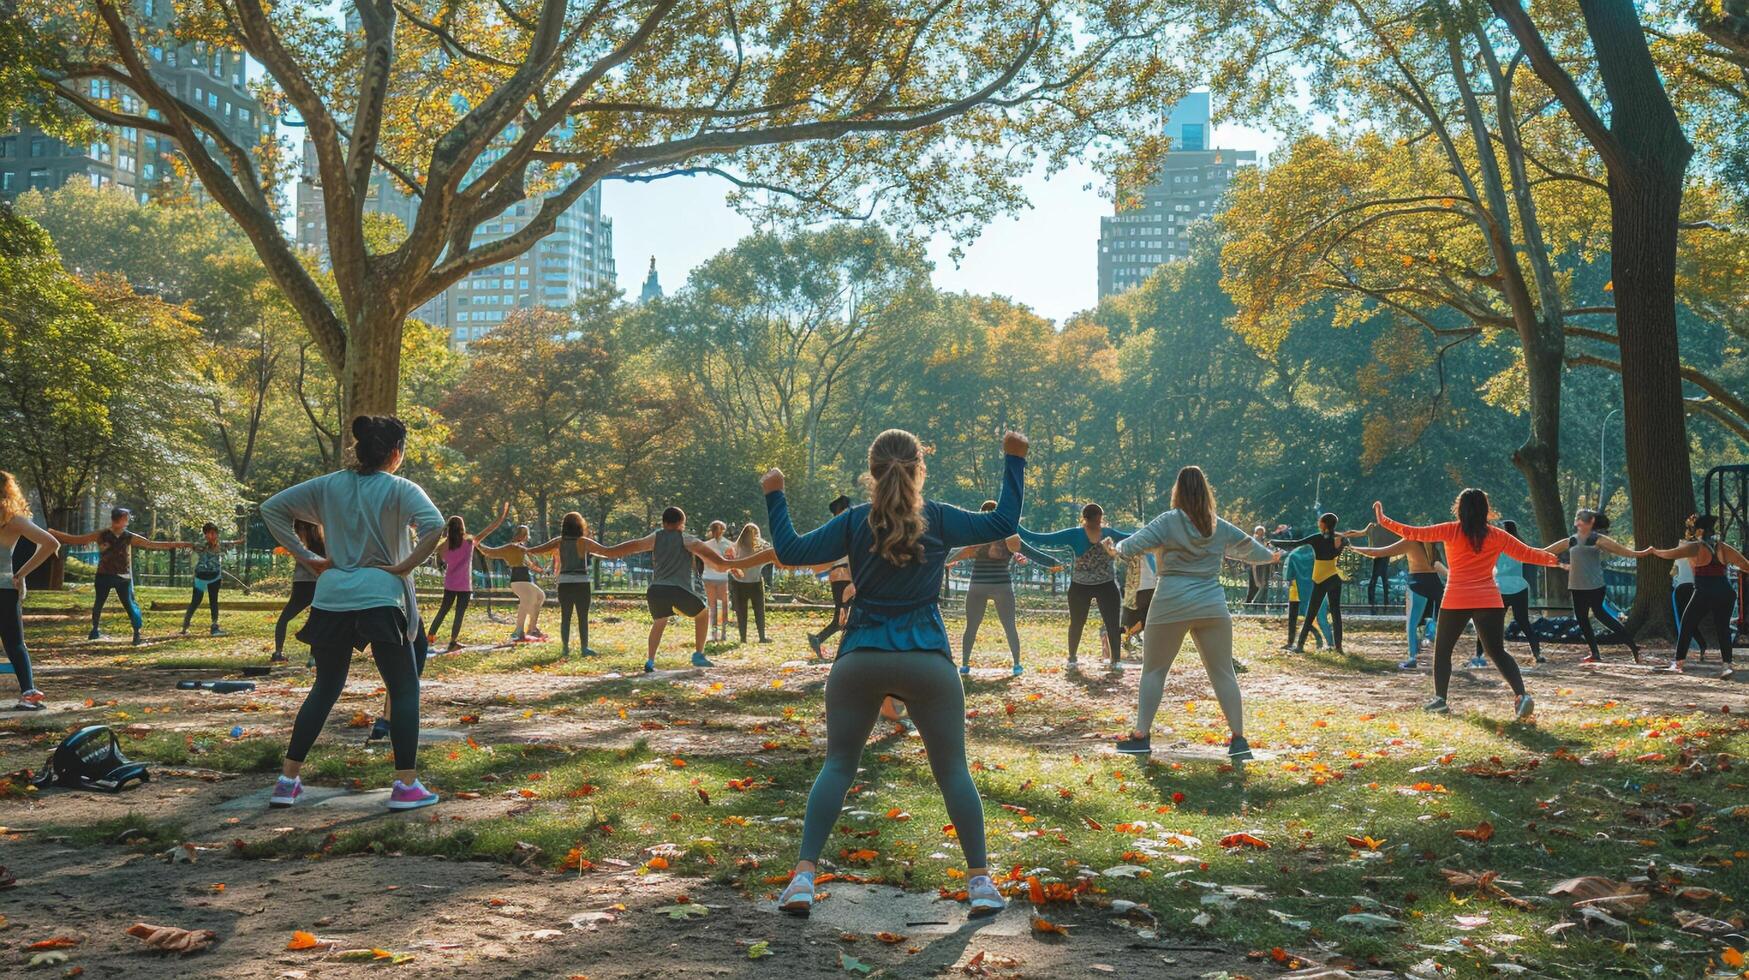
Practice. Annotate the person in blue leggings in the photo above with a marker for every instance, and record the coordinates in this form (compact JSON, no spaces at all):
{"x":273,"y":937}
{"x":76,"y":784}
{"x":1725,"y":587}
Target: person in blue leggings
{"x":1297,"y":569}
{"x":115,"y":566}
{"x":895,"y":644}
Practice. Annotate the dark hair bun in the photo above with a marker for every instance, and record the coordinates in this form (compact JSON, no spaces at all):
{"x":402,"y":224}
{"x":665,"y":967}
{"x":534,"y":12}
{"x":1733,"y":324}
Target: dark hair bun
{"x":375,"y":439}
{"x":1600,"y":523}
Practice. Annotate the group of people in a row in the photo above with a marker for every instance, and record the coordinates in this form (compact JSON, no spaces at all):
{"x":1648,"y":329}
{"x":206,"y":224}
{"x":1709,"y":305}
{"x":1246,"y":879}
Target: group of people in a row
{"x":891,"y":552}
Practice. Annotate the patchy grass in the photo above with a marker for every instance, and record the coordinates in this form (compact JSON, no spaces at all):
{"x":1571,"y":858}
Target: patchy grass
{"x":717,"y":766}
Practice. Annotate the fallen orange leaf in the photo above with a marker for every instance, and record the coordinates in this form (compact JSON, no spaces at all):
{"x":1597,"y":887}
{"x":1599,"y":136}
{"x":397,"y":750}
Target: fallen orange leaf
{"x":1244,"y":840}
{"x":303,"y":940}
{"x":1480,"y":833}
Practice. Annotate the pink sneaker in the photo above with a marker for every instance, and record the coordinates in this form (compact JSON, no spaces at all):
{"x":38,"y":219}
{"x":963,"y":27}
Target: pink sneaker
{"x":286,"y":792}
{"x":31,"y":700}
{"x":404,"y":797}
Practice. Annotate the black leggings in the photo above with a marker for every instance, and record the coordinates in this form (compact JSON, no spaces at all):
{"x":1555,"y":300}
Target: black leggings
{"x":744,"y":594}
{"x":398,"y":664}
{"x":302,"y":594}
{"x":1519,"y":603}
{"x":838,"y":590}
{"x":573,"y":597}
{"x":1490,"y":630}
{"x":1716,"y":600}
{"x":1330,"y":588}
{"x":12,"y":636}
{"x":1110,"y":610}
{"x":460,"y":601}
{"x":1679,"y":599}
{"x":212,"y":601}
{"x":1588,"y":603}
{"x":1381,"y":569}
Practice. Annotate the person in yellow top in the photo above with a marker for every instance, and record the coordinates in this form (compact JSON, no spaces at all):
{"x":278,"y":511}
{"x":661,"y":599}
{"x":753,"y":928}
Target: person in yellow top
{"x":1326,"y":545}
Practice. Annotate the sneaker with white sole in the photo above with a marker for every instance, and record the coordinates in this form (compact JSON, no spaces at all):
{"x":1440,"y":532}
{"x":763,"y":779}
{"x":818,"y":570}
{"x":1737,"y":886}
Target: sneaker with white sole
{"x":31,"y":700}
{"x":286,"y":792}
{"x":983,"y":897}
{"x":1475,"y":663}
{"x":1135,"y":746}
{"x":1525,"y":707}
{"x":404,"y":797}
{"x":798,"y":895}
{"x":1410,"y":664}
{"x":1239,"y":750}
{"x":1437,"y":706}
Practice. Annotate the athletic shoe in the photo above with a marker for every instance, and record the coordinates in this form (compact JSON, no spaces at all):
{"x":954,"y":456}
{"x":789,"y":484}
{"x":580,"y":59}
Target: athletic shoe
{"x":1727,"y":673}
{"x":95,"y":634}
{"x":1018,"y":670}
{"x":1636,"y":651}
{"x":1437,"y":706}
{"x":1525,"y":706}
{"x":517,"y":637}
{"x":379,"y":730}
{"x":216,"y":631}
{"x":431,"y":639}
{"x":278,"y":658}
{"x":1591,"y":658}
{"x":1135,"y":746}
{"x":453,"y":647}
{"x":1475,"y":662}
{"x":404,"y":797}
{"x":31,"y":700}
{"x":983,"y":897}
{"x":700,"y":660}
{"x":137,"y":640}
{"x":1239,"y":666}
{"x":1409,"y":664}
{"x":1073,"y":664}
{"x":765,"y":639}
{"x":1114,"y":666}
{"x":1673,"y":667}
{"x":965,"y":671}
{"x":286,"y":792}
{"x":1239,"y":750}
{"x":1539,"y":657}
{"x":537,"y":636}
{"x":814,"y":645}
{"x":649,"y":666}
{"x":798,"y":895}
{"x":587,"y":652}
{"x":184,"y":631}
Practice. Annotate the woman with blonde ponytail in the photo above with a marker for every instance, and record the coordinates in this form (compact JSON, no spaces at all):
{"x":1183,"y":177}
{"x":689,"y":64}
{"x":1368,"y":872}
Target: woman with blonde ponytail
{"x":895,"y":644}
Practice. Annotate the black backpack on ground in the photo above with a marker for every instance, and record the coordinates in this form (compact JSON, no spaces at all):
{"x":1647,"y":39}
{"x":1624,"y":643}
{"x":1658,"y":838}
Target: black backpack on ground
{"x":91,"y":758}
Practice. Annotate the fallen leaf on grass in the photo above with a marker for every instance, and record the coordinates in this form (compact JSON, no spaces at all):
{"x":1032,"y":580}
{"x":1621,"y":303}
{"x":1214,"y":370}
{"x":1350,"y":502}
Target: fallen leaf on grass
{"x":890,"y":938}
{"x":682,"y":912}
{"x":1370,"y":921}
{"x":1044,"y":926}
{"x":852,"y":964}
{"x":1291,"y":921}
{"x":1245,"y":840}
{"x":1364,"y":843}
{"x":1732,"y":957}
{"x":1591,"y":890}
{"x":759,"y":949}
{"x":304,"y":940}
{"x":1480,"y":833}
{"x":58,"y":942}
{"x":53,"y":957}
{"x":172,"y":939}
{"x":1695,"y":922}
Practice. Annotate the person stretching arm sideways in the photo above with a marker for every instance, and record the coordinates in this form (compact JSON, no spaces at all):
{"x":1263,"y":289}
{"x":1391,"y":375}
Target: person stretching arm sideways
{"x":1585,"y":584}
{"x":1713,"y":596}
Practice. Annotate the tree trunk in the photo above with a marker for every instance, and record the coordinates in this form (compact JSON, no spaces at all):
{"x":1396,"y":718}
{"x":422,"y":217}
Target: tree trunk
{"x":1539,"y":457}
{"x":1645,"y":195}
{"x":372,"y":383}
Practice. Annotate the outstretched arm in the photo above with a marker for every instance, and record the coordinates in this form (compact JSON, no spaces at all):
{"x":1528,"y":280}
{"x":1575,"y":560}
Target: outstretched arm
{"x":710,"y":556}
{"x":823,"y":545}
{"x":148,"y":544}
{"x":1558,"y":547}
{"x":1388,"y":551}
{"x":1615,"y":547}
{"x":1043,"y":559}
{"x":632,"y":547}
{"x":65,"y":538}
{"x":961,"y":527}
{"x":1733,"y":556}
{"x":1525,"y":553}
{"x":503,"y":512}
{"x":1433,"y":532}
{"x":1686,"y":549}
{"x":761,"y":557}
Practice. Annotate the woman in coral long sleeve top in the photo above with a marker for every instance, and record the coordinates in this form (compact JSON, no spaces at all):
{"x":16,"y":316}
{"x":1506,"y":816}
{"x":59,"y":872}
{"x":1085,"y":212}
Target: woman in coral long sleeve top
{"x":1471,"y":595}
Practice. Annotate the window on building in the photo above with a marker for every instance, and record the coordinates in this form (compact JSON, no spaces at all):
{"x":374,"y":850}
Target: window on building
{"x":5,"y":180}
{"x":39,"y":146}
{"x":39,"y":178}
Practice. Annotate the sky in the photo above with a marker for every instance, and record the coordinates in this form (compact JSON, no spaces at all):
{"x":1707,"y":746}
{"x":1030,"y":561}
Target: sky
{"x":1045,"y":257}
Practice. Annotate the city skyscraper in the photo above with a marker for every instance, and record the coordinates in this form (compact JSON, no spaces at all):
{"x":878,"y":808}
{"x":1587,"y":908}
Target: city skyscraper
{"x":213,"y":79}
{"x":1187,"y":189}
{"x":652,"y":288}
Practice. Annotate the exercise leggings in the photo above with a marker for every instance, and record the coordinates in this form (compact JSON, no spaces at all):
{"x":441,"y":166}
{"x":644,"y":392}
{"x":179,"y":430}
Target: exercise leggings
{"x":1519,"y":603}
{"x":1679,"y":599}
{"x":978,"y":594}
{"x":458,"y":599}
{"x":124,"y":590}
{"x":574,"y":598}
{"x":399,"y":666}
{"x":1331,"y":589}
{"x":1490,"y":630}
{"x":12,"y":637}
{"x":529,"y":598}
{"x":1297,"y":608}
{"x":1588,"y":603}
{"x":838,"y":604}
{"x":1718,"y":601}
{"x":930,"y":687}
{"x":744,"y":595}
{"x":212,"y":600}
{"x":302,"y":594}
{"x":1110,"y":600}
{"x":1214,"y":642}
{"x":1381,"y":575}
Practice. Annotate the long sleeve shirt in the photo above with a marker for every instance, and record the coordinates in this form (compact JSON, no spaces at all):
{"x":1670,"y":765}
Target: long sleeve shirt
{"x":1471,"y":583}
{"x":1189,"y":565}
{"x":365,"y":518}
{"x":1092,"y":566}
{"x":994,"y":563}
{"x":896,"y":606}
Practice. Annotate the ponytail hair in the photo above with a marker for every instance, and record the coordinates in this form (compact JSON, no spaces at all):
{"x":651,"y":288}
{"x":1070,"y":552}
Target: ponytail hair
{"x":1327,"y":523}
{"x":895,"y":481}
{"x":1195,"y":499}
{"x":1599,"y":520}
{"x":375,"y":439}
{"x":1701,"y":526}
{"x":1473,"y":512}
{"x":456,"y":530}
{"x":573,"y":526}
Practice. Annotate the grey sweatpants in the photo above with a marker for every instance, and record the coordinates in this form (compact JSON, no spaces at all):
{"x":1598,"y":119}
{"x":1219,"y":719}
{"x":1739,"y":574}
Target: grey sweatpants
{"x":1214,"y":641}
{"x":977,"y":594}
{"x":930,"y":687}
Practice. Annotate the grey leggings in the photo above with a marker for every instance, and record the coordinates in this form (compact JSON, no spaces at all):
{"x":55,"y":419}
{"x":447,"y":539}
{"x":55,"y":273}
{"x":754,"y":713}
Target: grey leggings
{"x":977,"y":594}
{"x":930,"y":687}
{"x":1214,"y":640}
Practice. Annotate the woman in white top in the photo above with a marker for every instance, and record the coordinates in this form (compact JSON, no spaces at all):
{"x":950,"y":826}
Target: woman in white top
{"x":15,"y":523}
{"x":716,"y":581}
